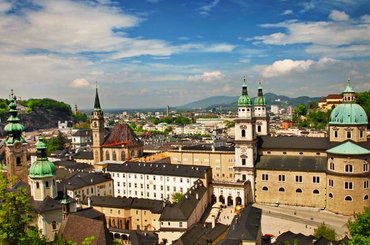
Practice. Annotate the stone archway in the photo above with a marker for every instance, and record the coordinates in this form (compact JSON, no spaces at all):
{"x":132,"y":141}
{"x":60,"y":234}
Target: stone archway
{"x":221,"y":199}
{"x":230,"y":201}
{"x":238,"y":201}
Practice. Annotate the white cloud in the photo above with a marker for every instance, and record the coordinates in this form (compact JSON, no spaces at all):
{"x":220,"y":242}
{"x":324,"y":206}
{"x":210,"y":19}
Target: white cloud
{"x":207,"y":77}
{"x":79,"y":83}
{"x":287,"y":12}
{"x":5,"y":6}
{"x":244,"y":60}
{"x":337,"y":15}
{"x":207,"y":8}
{"x":284,"y":67}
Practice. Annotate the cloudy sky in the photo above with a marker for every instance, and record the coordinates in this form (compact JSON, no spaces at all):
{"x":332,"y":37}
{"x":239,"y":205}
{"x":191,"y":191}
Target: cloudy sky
{"x":154,"y":53}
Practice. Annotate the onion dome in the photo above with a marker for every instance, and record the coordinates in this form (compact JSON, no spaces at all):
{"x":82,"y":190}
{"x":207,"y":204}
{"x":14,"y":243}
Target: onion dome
{"x":348,"y":113}
{"x":14,"y":128}
{"x":42,"y":167}
{"x":244,"y":99}
{"x":260,"y":99}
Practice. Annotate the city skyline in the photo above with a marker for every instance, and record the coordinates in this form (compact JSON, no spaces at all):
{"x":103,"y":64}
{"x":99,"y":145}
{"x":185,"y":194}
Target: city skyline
{"x":154,"y":53}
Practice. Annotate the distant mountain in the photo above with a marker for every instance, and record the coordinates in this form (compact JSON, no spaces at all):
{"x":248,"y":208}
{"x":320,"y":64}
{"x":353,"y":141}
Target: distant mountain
{"x":231,"y":101}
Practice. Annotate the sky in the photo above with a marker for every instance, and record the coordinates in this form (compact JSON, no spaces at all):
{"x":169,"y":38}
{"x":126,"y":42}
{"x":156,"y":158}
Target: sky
{"x":153,"y":53}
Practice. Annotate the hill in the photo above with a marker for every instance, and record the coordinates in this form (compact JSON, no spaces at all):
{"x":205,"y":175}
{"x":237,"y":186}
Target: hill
{"x":231,"y":101}
{"x":38,"y":113}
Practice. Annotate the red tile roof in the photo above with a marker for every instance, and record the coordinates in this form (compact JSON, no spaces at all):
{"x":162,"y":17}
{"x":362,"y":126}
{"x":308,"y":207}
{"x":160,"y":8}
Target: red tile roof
{"x":121,"y":134}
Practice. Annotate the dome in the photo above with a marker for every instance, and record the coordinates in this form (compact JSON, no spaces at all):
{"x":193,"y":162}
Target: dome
{"x":42,"y":169}
{"x":260,"y":101}
{"x":244,"y":100}
{"x":348,"y":113}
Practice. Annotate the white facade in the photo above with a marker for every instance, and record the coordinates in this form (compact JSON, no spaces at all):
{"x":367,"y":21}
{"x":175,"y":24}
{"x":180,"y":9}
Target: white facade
{"x":275,"y":109}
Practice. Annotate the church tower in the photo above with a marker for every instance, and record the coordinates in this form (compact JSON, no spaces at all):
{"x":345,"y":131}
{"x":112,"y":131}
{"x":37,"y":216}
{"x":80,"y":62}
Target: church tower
{"x":16,"y":146}
{"x":260,"y":113}
{"x":42,"y":175}
{"x":245,"y":141}
{"x":97,"y":127}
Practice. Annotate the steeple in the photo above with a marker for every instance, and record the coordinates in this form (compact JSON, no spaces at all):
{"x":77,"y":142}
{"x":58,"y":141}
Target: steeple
{"x":14,"y":128}
{"x":65,"y":204}
{"x":260,"y":99}
{"x":244,"y":99}
{"x":97,"y":101}
{"x":348,"y":93}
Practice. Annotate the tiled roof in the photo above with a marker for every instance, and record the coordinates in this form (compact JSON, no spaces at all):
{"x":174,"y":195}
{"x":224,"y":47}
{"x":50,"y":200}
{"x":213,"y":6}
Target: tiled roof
{"x":121,"y":134}
{"x":292,"y":163}
{"x":84,"y":155}
{"x":199,"y":234}
{"x":83,"y":179}
{"x":194,"y":171}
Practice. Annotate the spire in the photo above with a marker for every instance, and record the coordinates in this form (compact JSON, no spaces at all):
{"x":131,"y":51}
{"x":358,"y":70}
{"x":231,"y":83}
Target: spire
{"x":244,"y":87}
{"x":244,"y":99}
{"x":348,"y":93}
{"x":260,"y":92}
{"x":97,"y":102}
{"x":14,"y":128}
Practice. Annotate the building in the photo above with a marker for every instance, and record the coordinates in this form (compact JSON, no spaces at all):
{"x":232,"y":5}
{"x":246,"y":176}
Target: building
{"x":155,"y":180}
{"x":120,"y":144}
{"x":81,"y":138}
{"x":330,"y":101}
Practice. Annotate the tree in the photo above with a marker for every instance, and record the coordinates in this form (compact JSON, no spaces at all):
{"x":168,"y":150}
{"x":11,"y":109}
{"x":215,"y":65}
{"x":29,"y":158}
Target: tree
{"x":360,"y":228}
{"x":177,"y":197}
{"x":300,"y":110}
{"x":56,"y":143}
{"x":324,"y":231}
{"x":16,"y":213}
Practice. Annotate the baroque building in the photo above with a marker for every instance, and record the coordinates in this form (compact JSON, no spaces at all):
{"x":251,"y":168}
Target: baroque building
{"x":120,"y":144}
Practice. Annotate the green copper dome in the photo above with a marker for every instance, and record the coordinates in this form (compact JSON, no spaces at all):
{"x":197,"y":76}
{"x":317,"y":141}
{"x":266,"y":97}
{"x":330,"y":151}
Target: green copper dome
{"x":260,"y":99}
{"x":42,"y":168}
{"x":244,"y":100}
{"x":348,"y":113}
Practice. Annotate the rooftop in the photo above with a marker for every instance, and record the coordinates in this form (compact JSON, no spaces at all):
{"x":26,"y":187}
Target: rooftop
{"x":121,"y":134}
{"x":83,"y":179}
{"x":292,"y":163}
{"x":348,"y":148}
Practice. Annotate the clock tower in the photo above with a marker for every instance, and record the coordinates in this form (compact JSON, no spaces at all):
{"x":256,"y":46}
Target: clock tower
{"x":97,"y":127}
{"x":15,"y":145}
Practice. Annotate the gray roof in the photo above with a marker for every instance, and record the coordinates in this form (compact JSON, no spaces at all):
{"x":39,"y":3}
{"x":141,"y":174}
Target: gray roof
{"x":83,"y":179}
{"x":182,"y":210}
{"x":138,"y":237}
{"x":245,"y":227}
{"x":208,"y":147}
{"x":292,"y":163}
{"x":84,"y":155}
{"x":195,"y":171}
{"x":48,"y":204}
{"x":155,"y":206}
{"x":72,"y":165}
{"x":201,"y":234}
{"x":82,"y":133}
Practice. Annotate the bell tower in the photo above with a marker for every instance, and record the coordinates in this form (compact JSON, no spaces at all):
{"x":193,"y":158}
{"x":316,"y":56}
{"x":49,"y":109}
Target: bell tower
{"x":97,"y":127}
{"x":260,"y":113}
{"x":15,"y":145}
{"x":245,"y":141}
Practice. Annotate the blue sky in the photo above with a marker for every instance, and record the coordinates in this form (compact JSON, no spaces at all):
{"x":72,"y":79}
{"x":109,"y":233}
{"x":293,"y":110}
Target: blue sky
{"x":153,"y":53}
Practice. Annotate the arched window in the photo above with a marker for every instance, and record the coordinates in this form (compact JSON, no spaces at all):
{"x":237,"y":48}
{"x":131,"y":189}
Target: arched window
{"x":361,"y":133}
{"x":366,"y":197}
{"x":107,"y":156}
{"x":335,"y":134}
{"x":281,"y":189}
{"x":332,"y":166}
{"x":259,"y":128}
{"x":349,"y":168}
{"x":348,"y":198}
{"x":349,"y":135}
{"x":265,"y":188}
{"x":19,"y":161}
{"x":316,"y":191}
{"x":123,"y":155}
{"x":54,"y":225}
{"x":47,"y":184}
{"x":37,"y":185}
{"x":299,"y":190}
{"x":114,"y":156}
{"x":243,"y":132}
{"x":331,"y":195}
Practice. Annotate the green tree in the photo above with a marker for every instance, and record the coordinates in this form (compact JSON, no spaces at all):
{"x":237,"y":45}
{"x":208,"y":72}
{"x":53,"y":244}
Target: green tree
{"x":56,"y":143}
{"x":359,"y":228}
{"x":300,"y":110}
{"x":177,"y":197}
{"x":80,"y":117}
{"x":16,"y":213}
{"x":324,"y":231}
{"x":229,"y":124}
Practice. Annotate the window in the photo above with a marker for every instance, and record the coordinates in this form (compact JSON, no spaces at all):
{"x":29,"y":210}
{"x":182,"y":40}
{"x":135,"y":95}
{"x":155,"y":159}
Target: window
{"x":47,"y":184}
{"x":299,"y":190}
{"x":180,"y":224}
{"x":281,"y":177}
{"x":123,"y":156}
{"x":366,"y":184}
{"x":365,"y":168}
{"x":265,"y":188}
{"x":349,"y":168}
{"x":366,"y":197}
{"x":19,"y":161}
{"x":348,"y":135}
{"x":281,"y":189}
{"x":298,"y":178}
{"x":265,"y":177}
{"x":331,"y":195}
{"x":114,"y":156}
{"x":316,"y":191}
{"x":37,"y":185}
{"x":332,"y":166}
{"x":258,"y":128}
{"x":361,"y":133}
{"x":348,"y":185}
{"x":335,"y":134}
{"x":348,"y":198}
{"x":243,"y":132}
{"x":54,"y":225}
{"x":244,"y":177}
{"x":244,"y":161}
{"x":331,"y":182}
{"x":107,"y":156}
{"x":316,"y":179}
